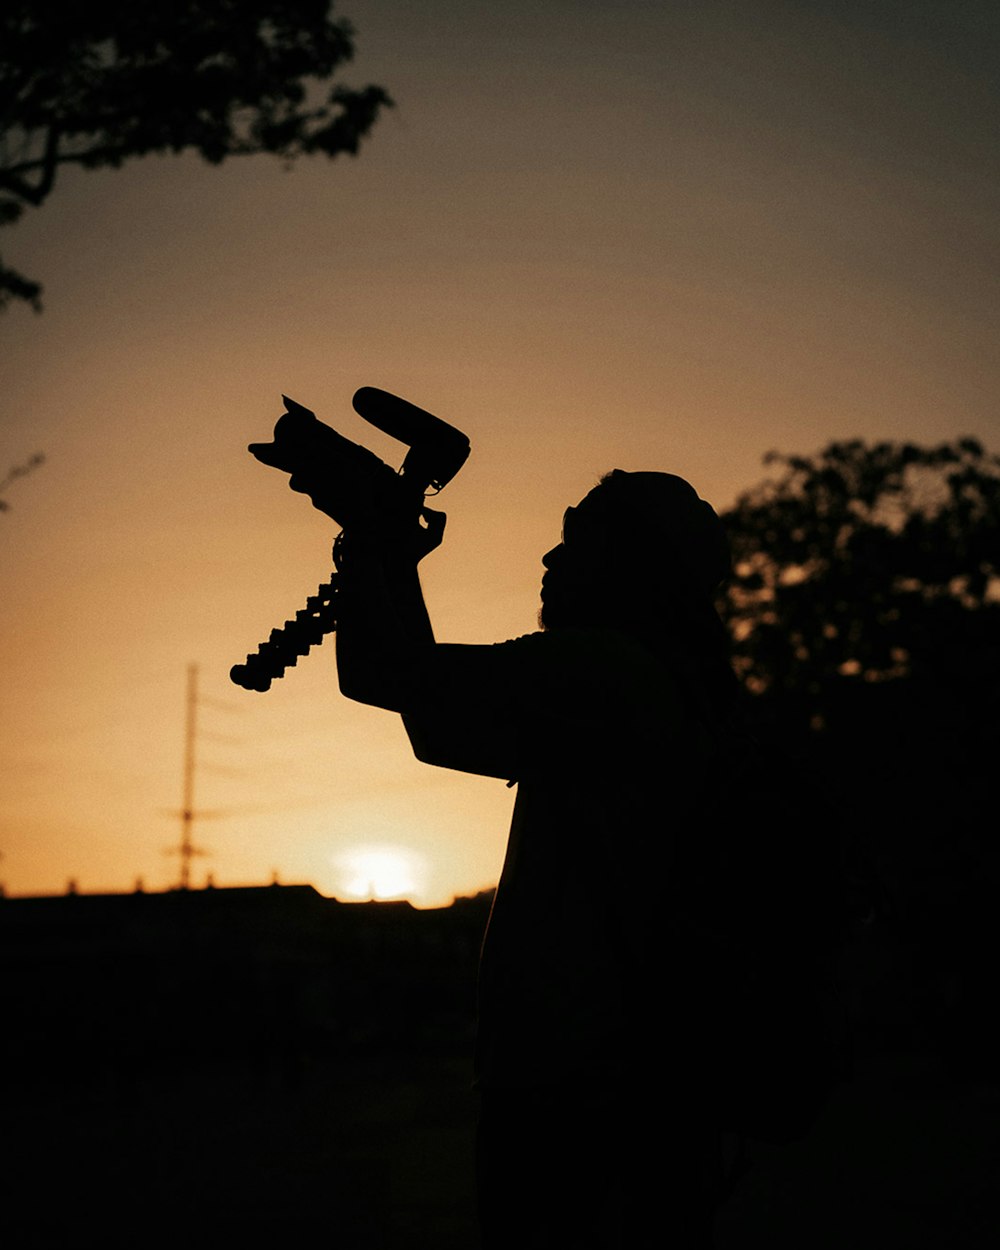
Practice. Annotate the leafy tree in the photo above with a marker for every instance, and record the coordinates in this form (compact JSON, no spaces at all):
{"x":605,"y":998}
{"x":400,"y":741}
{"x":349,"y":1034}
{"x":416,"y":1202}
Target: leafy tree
{"x":865,"y":612}
{"x":862,"y":566}
{"x":98,"y":84}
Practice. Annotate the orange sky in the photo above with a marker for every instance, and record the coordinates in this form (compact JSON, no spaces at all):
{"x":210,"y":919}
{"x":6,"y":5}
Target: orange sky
{"x":627,"y":235}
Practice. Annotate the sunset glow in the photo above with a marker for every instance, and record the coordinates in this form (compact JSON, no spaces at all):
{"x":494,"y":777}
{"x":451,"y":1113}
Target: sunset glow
{"x":594,"y":236}
{"x":375,"y":872}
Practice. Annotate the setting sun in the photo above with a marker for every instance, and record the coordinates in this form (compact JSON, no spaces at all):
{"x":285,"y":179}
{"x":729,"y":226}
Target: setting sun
{"x":378,"y":872}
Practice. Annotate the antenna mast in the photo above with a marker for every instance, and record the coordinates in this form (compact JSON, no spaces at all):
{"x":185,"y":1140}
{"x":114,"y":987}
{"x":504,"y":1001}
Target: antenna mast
{"x":187,"y":849}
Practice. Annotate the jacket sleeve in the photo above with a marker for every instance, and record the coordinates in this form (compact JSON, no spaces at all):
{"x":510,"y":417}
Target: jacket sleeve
{"x":540,"y":702}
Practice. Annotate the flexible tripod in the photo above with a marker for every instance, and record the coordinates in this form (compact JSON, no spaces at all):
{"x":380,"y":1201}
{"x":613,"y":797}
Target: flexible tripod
{"x":308,"y":628}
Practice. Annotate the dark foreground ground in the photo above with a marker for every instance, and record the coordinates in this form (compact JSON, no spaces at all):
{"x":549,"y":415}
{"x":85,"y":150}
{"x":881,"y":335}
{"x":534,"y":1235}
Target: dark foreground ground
{"x":267,"y":1067}
{"x":377,"y":1156}
{"x":905,"y":1158}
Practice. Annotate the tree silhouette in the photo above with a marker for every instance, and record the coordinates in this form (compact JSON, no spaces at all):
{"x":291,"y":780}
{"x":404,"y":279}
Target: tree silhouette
{"x":97,"y":84}
{"x":855,"y":565}
{"x":865,"y":612}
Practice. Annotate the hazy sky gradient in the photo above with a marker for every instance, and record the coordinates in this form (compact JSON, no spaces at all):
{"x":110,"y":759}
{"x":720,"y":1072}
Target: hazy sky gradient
{"x":635,"y":235}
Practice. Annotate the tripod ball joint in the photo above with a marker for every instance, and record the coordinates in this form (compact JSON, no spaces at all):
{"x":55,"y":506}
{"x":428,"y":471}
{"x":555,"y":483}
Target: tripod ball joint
{"x":251,"y":676}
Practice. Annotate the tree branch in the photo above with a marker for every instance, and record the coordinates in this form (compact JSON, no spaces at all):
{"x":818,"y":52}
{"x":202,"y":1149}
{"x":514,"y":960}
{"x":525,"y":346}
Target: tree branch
{"x":48,"y":163}
{"x":14,"y":285}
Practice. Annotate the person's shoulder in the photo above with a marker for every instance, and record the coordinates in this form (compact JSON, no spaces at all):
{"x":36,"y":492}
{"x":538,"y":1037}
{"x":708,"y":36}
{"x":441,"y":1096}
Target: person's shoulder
{"x":570,"y":646}
{"x":577,"y":640}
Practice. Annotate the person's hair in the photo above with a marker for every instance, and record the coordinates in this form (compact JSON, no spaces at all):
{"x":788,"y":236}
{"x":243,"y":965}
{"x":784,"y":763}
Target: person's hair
{"x":672,"y":549}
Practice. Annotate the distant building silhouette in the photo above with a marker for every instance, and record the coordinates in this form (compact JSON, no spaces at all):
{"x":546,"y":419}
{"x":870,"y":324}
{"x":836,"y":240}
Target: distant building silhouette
{"x":276,"y":972}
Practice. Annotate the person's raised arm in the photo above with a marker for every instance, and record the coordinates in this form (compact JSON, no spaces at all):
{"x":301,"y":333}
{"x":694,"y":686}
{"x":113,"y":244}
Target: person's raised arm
{"x":384,"y":634}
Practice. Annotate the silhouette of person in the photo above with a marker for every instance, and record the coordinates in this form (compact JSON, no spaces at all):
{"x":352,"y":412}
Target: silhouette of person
{"x":594,"y":1128}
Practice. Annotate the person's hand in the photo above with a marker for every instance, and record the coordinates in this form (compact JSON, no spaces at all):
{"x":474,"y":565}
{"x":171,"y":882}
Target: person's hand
{"x":430,"y":532}
{"x":394,"y":542}
{"x":418,"y":540}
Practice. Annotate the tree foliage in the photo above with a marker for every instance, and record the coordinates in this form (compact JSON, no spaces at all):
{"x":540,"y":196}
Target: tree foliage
{"x":866,"y":565}
{"x":98,"y":84}
{"x":865,"y":612}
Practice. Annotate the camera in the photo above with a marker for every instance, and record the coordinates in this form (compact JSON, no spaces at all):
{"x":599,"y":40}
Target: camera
{"x":345,"y":480}
{"x":349,"y":483}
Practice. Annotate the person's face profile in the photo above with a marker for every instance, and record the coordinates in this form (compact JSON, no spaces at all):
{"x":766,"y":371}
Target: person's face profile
{"x":570,"y":585}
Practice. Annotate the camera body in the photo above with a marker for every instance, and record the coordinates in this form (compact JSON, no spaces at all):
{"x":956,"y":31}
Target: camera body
{"x":347,"y":481}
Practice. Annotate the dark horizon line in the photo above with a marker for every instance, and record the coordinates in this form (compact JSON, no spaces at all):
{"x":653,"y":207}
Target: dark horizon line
{"x":210,"y":888}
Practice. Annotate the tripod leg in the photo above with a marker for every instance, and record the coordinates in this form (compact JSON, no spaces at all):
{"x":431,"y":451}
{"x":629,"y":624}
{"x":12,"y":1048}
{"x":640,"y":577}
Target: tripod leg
{"x":295,"y":638}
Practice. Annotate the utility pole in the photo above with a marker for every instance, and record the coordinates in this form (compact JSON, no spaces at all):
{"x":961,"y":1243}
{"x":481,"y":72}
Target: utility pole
{"x":187,"y":808}
{"x":187,"y":849}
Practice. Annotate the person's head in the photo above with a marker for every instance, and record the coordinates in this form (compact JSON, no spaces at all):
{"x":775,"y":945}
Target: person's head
{"x":641,"y":552}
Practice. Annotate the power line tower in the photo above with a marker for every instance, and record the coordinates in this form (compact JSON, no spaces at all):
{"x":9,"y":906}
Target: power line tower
{"x":187,"y":849}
